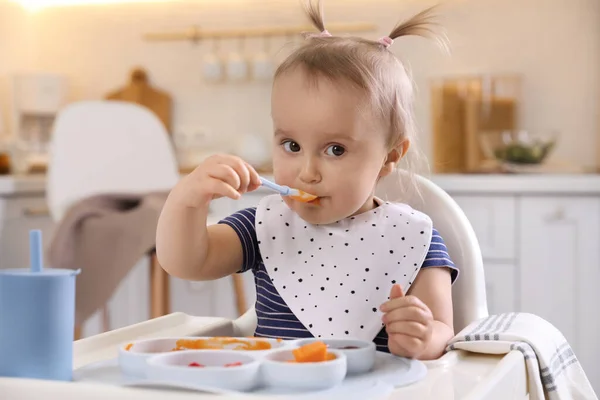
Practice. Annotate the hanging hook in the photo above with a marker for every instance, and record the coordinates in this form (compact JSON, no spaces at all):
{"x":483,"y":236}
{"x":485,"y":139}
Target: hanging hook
{"x":194,"y":34}
{"x":266,"y":44}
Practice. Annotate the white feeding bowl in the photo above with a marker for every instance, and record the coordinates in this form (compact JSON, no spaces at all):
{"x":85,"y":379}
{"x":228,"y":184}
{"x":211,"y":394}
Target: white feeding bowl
{"x":278,"y":371}
{"x":133,"y":355}
{"x":360,"y":354}
{"x":242,"y":374}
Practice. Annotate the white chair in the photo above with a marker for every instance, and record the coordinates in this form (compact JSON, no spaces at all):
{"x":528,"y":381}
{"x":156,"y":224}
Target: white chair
{"x":110,"y":147}
{"x":468,"y":292}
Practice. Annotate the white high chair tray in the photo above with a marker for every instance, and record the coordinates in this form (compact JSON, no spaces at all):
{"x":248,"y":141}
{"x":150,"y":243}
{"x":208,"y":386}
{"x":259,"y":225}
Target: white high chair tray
{"x":457,"y":375}
{"x":386,"y":372}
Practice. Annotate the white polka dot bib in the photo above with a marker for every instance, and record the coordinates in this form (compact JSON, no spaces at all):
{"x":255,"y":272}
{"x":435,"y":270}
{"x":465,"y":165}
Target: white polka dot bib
{"x":334,"y":277}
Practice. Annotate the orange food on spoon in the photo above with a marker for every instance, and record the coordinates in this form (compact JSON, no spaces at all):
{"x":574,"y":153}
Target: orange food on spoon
{"x":296,"y":194}
{"x":304,"y":197}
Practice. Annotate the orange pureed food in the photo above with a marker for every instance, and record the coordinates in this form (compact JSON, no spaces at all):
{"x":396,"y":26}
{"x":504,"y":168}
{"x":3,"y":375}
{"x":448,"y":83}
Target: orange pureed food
{"x":312,"y":352}
{"x":216,"y":343}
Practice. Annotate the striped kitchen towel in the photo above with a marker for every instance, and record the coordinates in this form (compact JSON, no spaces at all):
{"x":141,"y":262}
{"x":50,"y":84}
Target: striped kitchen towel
{"x":552,"y":369}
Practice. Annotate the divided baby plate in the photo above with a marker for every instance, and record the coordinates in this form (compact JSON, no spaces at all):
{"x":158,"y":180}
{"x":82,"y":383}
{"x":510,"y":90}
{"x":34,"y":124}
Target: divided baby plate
{"x":243,"y":364}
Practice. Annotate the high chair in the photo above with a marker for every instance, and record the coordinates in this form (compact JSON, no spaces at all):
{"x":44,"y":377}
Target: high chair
{"x":111,"y":147}
{"x":468,"y":292}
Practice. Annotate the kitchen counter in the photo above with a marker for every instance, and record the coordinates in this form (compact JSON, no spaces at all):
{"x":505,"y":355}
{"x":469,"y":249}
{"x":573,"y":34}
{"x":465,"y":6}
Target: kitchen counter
{"x":14,"y":185}
{"x":455,"y":183}
{"x":521,"y":184}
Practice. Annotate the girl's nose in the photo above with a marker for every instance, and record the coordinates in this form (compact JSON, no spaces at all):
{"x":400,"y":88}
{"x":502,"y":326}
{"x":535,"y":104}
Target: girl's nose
{"x":309,"y":173}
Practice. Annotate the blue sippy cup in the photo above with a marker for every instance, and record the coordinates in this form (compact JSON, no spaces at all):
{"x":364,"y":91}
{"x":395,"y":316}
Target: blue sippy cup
{"x":37,"y":319}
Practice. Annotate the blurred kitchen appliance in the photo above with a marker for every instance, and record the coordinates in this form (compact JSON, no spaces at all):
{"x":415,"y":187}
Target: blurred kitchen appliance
{"x":36,"y":100}
{"x":463,"y":109}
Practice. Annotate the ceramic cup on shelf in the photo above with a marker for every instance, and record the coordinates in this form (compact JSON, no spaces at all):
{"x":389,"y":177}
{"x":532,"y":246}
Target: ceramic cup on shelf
{"x":237,"y":67}
{"x":262,"y":67}
{"x":212,"y":68}
{"x":212,"y":65}
{"x":262,"y":63}
{"x":37,"y":319}
{"x":237,"y":64}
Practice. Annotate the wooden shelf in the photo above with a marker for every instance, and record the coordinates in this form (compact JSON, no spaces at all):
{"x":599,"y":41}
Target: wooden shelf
{"x":196,"y":34}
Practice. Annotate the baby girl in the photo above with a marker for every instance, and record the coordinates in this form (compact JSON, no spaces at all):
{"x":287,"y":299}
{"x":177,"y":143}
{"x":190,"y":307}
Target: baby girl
{"x":350,"y":265}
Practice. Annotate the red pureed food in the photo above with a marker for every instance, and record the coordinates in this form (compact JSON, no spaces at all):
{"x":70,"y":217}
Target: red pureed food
{"x":197,"y":365}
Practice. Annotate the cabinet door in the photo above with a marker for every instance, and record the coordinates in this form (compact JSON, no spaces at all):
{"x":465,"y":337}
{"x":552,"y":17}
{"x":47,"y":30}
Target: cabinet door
{"x":501,"y":286}
{"x":560,"y":270}
{"x":210,"y":298}
{"x":17,"y":217}
{"x":493,"y":220}
{"x":129,"y":304}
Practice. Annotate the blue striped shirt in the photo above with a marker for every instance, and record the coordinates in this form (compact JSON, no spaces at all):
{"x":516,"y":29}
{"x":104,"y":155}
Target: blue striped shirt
{"x":275,"y":319}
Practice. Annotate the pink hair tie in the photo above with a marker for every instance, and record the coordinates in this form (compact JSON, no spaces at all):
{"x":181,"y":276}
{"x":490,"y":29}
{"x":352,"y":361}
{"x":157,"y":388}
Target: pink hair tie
{"x":386,"y":41}
{"x":324,"y":33}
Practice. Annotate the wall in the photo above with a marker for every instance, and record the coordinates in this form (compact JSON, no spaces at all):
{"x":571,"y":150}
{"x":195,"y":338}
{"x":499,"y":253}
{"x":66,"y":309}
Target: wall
{"x":16,"y":52}
{"x":555,"y":44}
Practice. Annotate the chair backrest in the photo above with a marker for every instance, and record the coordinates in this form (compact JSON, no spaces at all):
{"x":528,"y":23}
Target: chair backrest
{"x":468,"y":292}
{"x":107,"y":147}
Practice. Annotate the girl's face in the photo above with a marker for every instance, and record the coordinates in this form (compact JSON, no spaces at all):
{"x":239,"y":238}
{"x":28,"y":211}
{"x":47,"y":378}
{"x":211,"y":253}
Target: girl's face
{"x":325,"y":145}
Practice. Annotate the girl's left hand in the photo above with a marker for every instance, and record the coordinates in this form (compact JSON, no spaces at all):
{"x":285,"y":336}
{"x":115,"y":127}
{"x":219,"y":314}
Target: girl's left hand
{"x":408,"y":323}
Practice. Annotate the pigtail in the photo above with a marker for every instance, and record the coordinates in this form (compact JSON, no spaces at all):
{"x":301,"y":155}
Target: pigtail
{"x":314,"y":12}
{"x":422,"y":24}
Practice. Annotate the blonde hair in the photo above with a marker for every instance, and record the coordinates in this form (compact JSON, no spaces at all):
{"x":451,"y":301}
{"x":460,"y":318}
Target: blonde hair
{"x":370,"y":67}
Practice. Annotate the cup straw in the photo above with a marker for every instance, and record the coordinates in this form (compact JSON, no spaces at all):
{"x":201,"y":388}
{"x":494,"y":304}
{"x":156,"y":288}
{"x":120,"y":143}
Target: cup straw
{"x":35,"y":250}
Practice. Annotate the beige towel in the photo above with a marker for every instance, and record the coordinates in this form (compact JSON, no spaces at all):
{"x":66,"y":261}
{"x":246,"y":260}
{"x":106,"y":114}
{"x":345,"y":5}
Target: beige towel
{"x":105,"y":236}
{"x":553,"y":371}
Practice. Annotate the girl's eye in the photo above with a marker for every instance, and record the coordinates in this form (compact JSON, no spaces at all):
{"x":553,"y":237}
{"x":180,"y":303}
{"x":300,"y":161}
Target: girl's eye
{"x":335,"y":150}
{"x":291,"y":146}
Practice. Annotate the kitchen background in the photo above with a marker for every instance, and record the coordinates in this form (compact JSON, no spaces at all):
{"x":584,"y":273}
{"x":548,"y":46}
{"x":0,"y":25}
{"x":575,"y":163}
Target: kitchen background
{"x":553,"y":44}
{"x":539,"y":232}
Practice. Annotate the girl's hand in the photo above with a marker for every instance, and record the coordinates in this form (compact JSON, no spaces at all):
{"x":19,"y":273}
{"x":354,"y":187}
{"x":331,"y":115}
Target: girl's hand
{"x":408,"y":323}
{"x":218,"y":176}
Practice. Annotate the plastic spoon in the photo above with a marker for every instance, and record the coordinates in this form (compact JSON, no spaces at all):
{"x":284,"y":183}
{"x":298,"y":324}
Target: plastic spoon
{"x":295,"y":194}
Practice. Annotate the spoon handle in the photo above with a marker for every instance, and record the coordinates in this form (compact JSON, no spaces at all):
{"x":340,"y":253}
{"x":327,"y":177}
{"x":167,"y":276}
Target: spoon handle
{"x":283,"y":190}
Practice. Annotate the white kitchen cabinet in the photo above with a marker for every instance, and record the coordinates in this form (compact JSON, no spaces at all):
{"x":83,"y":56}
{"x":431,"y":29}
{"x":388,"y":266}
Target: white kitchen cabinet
{"x":494,"y":221}
{"x":560,"y":269}
{"x":19,"y":215}
{"x":215,"y":298}
{"x":129,"y":304}
{"x":501,"y":284}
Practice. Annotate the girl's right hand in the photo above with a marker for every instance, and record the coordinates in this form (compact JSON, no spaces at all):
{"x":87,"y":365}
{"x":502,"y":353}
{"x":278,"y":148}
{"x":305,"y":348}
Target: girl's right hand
{"x":220,"y":175}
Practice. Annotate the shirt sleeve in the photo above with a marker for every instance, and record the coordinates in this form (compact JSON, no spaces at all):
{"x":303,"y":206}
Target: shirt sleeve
{"x":243,"y":223}
{"x":438,"y":256}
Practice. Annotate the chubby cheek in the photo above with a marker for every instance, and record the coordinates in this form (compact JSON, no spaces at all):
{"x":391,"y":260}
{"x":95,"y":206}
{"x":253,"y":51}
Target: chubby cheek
{"x":284,"y":170}
{"x":349,"y":198}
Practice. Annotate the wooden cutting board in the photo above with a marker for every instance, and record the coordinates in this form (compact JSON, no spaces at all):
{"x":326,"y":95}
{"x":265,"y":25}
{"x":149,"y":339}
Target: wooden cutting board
{"x":139,"y":91}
